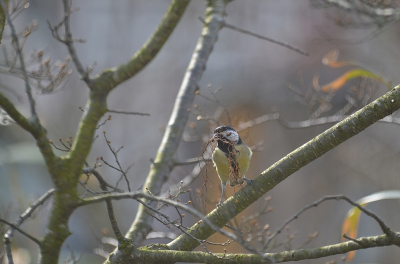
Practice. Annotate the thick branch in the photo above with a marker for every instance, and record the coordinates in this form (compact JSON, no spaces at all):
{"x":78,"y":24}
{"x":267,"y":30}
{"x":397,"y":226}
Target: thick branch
{"x":164,"y":161}
{"x":145,"y":255}
{"x":96,"y":107}
{"x":105,"y":82}
{"x":155,"y":256}
{"x":66,"y":197}
{"x":115,"y":76}
{"x":35,"y":129}
{"x":288,"y":165}
{"x":21,"y":120}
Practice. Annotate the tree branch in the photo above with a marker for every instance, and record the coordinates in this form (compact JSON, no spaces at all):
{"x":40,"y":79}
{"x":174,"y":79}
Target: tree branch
{"x":66,"y":197}
{"x":288,"y":165}
{"x":21,"y":61}
{"x":34,"y":239}
{"x":21,"y":120}
{"x":146,"y":254}
{"x":280,"y":43}
{"x":70,"y":43}
{"x":36,"y":130}
{"x":127,"y":112}
{"x":115,"y":76}
{"x":164,"y":161}
{"x":137,"y":195}
{"x":383,"y":226}
{"x":28,"y":212}
{"x":96,"y":107}
{"x":167,"y":256}
{"x":110,"y":210}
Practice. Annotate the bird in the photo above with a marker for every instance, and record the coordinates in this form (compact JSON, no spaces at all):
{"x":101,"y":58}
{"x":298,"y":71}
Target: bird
{"x":231,"y":158}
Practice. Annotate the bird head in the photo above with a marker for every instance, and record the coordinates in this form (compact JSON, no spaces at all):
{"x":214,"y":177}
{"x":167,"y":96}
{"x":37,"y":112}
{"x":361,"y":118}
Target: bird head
{"x":226,"y":134}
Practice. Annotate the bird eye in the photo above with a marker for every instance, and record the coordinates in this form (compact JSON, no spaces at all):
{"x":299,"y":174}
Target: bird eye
{"x":228,"y":134}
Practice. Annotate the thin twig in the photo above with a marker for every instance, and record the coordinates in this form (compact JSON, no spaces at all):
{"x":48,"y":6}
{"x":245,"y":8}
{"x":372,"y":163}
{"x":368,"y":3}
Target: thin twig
{"x":137,"y":195}
{"x":115,"y":153}
{"x":167,"y":222}
{"x":329,"y":119}
{"x":87,"y":188}
{"x":70,"y":43}
{"x":23,"y":217}
{"x":191,"y":161}
{"x":383,"y":226}
{"x":100,"y":178}
{"x":28,"y":212}
{"x":281,"y":43}
{"x":21,"y":60}
{"x":21,"y":231}
{"x":110,"y":210}
{"x":352,"y":239}
{"x":127,"y":112}
{"x":72,"y":258}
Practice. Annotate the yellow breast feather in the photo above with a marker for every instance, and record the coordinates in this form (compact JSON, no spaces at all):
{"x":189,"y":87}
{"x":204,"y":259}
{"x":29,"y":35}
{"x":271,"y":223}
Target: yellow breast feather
{"x":221,"y":164}
{"x":241,"y":156}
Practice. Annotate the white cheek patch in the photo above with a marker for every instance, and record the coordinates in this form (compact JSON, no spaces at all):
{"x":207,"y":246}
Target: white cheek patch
{"x":232,"y":136}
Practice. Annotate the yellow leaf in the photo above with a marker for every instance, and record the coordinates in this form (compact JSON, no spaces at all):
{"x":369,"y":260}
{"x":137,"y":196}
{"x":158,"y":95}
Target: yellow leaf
{"x":350,"y":223}
{"x":351,"y":74}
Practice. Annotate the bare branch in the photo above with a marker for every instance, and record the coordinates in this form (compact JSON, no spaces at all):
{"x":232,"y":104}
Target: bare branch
{"x":72,"y":259}
{"x":164,"y":161}
{"x":127,"y":112}
{"x":110,"y":210}
{"x":383,"y":226}
{"x":191,"y":161}
{"x":70,"y":43}
{"x":280,"y":43}
{"x":37,"y":131}
{"x":295,"y":160}
{"x":257,"y":121}
{"x":28,"y":212}
{"x":21,"y":61}
{"x":285,"y":256}
{"x":156,"y":235}
{"x":21,"y":231}
{"x":114,"y":76}
{"x":115,"y":153}
{"x":137,"y":195}
{"x":328,"y":120}
{"x":100,"y":178}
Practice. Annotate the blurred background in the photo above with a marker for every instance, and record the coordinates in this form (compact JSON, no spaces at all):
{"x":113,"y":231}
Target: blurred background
{"x":253,"y":76}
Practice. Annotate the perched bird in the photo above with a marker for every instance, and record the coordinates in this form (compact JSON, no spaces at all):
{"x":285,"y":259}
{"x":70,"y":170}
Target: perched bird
{"x":231,"y":157}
